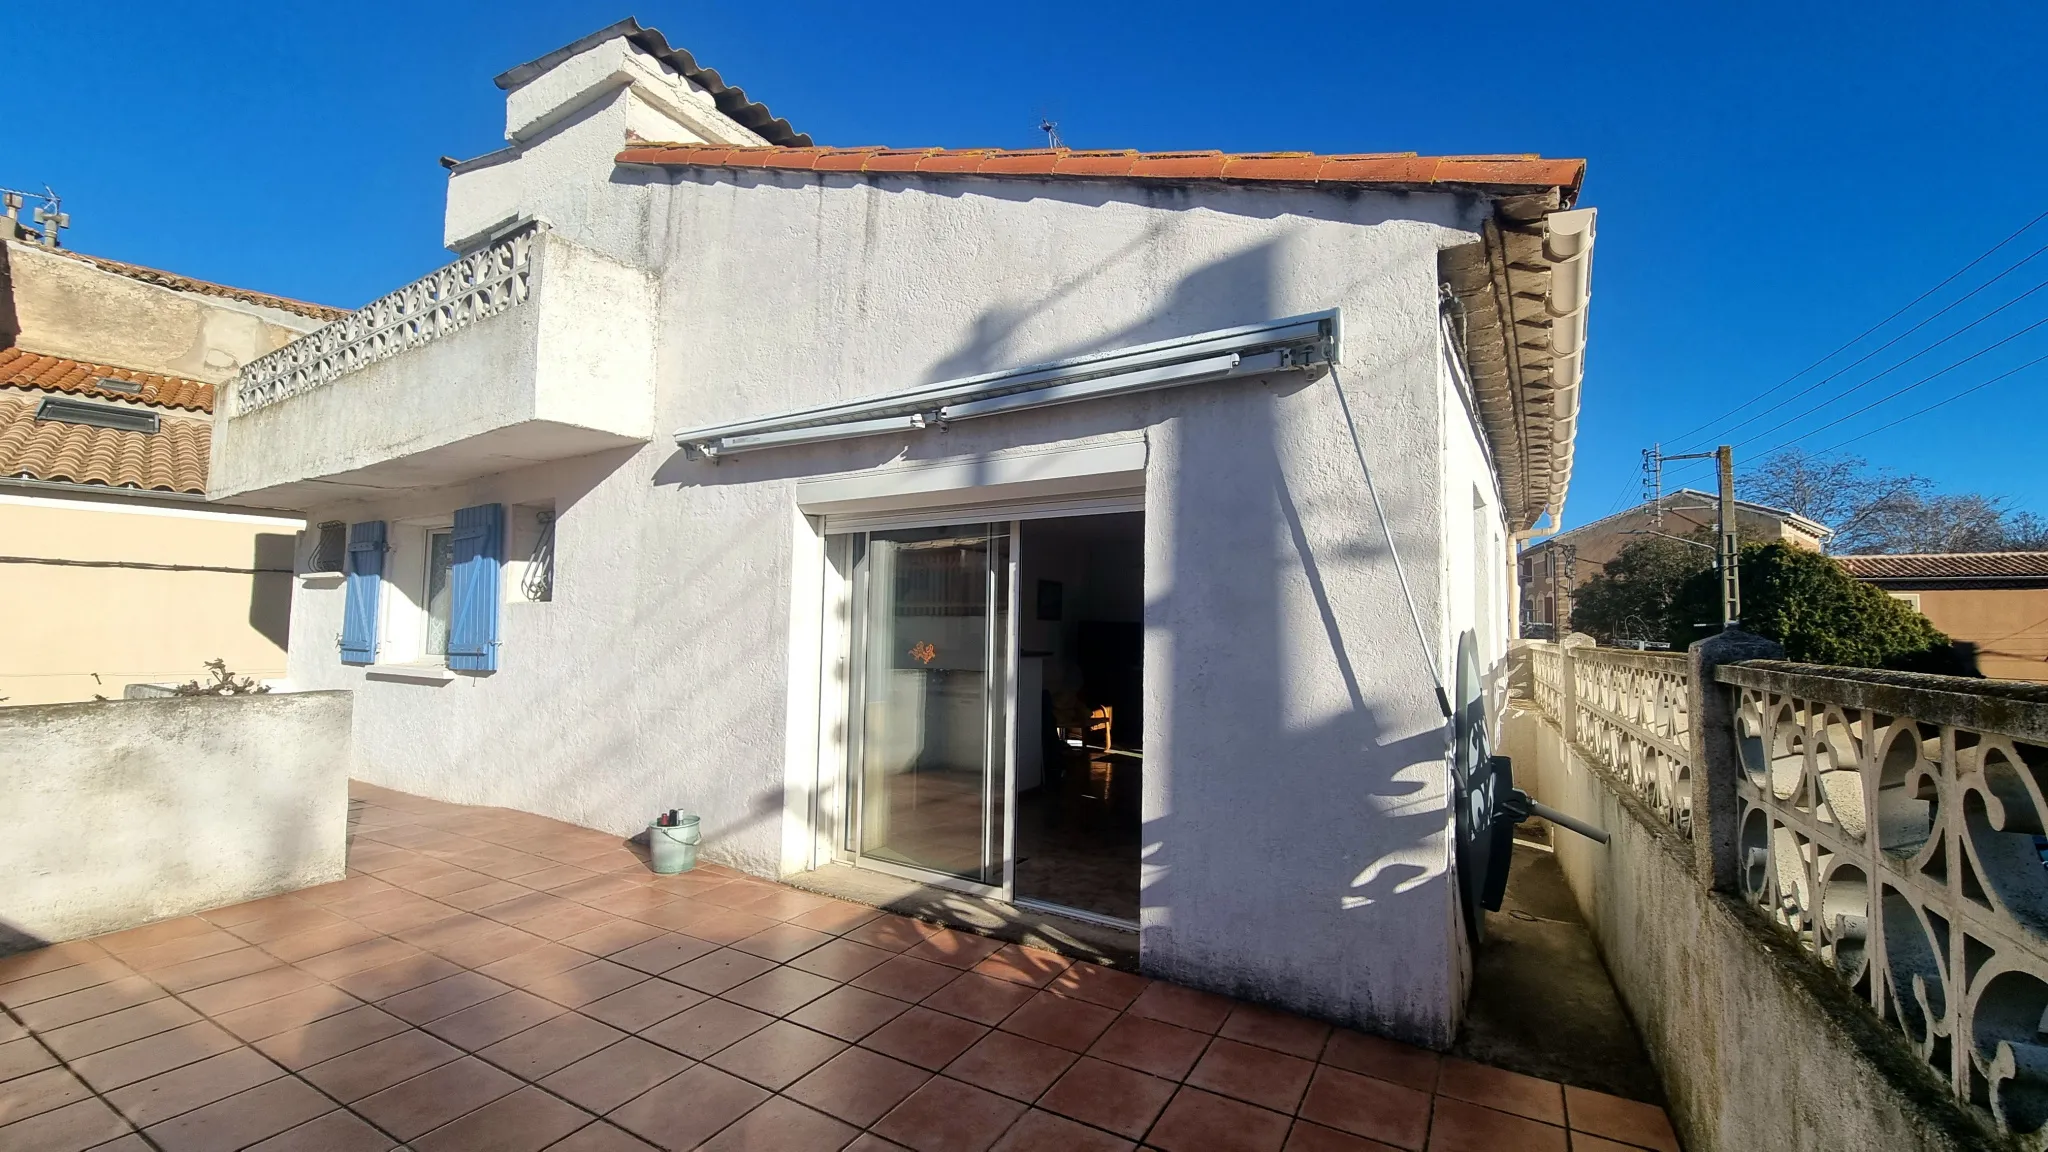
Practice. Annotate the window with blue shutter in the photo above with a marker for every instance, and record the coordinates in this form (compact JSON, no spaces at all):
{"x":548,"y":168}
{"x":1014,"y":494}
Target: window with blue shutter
{"x":473,"y":611}
{"x":365,"y":583}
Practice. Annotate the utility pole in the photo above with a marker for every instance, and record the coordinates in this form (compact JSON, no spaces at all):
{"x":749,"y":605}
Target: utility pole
{"x":1570,"y":553}
{"x":1728,"y":550}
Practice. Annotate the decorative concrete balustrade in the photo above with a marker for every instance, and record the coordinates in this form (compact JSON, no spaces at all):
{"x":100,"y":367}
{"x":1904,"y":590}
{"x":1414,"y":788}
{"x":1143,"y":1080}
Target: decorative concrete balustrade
{"x":481,"y":284}
{"x":1891,"y":823}
{"x":1628,"y":710}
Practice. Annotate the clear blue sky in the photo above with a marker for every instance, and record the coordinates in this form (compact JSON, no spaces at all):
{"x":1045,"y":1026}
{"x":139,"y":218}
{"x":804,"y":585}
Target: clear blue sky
{"x":1772,"y":178}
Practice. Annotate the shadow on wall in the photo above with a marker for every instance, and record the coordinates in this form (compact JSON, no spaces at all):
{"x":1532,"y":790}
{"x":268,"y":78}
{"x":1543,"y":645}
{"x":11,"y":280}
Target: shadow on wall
{"x":270,"y":587}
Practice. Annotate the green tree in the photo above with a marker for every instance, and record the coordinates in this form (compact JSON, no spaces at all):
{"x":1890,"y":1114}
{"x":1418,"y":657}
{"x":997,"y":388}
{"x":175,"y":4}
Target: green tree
{"x":1629,"y":600}
{"x":1821,"y":614}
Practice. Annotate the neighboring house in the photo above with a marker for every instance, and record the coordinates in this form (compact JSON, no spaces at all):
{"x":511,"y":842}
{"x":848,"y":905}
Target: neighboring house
{"x":994,"y":521}
{"x":1996,"y":601}
{"x":1549,"y":570}
{"x":114,"y":567}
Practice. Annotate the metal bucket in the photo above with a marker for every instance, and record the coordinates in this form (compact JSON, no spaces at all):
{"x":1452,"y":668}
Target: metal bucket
{"x":673,"y":848}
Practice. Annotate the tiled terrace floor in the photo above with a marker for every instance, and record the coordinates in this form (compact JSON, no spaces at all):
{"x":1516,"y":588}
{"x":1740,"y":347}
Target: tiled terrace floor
{"x":486,"y":979}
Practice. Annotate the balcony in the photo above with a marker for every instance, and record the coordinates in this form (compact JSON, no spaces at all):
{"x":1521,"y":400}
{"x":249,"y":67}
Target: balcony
{"x":530,"y":350}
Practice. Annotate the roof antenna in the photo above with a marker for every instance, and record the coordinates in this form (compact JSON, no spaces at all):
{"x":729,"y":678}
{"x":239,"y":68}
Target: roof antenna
{"x":1051,"y":128}
{"x":49,"y":215}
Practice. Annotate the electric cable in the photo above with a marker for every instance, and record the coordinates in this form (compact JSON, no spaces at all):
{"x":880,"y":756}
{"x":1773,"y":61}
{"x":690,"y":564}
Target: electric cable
{"x":1852,"y":341}
{"x":1931,"y":407}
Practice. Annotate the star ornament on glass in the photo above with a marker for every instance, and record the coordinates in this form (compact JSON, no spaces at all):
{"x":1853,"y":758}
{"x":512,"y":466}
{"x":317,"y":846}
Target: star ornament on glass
{"x":923,"y":652}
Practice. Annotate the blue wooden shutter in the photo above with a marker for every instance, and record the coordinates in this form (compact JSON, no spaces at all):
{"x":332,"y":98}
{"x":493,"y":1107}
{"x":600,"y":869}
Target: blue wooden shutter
{"x":473,"y":588}
{"x":365,"y":582}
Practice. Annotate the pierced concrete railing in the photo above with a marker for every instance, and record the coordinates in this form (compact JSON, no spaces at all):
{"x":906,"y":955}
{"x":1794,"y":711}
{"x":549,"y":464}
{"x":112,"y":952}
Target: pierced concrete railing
{"x":1627,"y":710}
{"x":481,"y":284}
{"x":1893,"y":824}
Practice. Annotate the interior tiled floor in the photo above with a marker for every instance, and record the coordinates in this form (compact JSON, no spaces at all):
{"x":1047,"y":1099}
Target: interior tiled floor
{"x":486,"y":979}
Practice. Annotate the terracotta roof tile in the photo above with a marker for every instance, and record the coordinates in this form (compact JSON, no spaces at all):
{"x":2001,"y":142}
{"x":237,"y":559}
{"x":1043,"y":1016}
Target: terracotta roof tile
{"x":1499,"y":174}
{"x":56,"y":374}
{"x":172,"y":460}
{"x":1948,"y":566}
{"x":178,"y":283}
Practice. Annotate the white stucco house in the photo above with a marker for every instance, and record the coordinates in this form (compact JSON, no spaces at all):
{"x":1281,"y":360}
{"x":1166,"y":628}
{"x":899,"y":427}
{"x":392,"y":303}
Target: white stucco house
{"x":997,"y":521}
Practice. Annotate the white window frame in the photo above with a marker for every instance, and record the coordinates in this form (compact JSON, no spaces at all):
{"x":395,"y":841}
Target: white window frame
{"x":403,"y":613}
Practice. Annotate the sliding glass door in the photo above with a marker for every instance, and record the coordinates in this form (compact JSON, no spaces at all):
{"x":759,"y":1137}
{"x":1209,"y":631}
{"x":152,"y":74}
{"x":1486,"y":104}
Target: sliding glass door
{"x":929,"y":745}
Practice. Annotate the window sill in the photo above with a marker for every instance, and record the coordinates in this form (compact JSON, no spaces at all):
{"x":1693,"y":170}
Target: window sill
{"x":410,"y":673}
{"x":322,"y":579}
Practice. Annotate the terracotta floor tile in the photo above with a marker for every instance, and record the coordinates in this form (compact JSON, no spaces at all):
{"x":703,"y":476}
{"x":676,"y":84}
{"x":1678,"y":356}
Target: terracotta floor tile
{"x":304,"y":918}
{"x":382,"y":900}
{"x":210,"y":941}
{"x":372,"y":953}
{"x":183,"y":1089}
{"x":787,"y":904}
{"x":783,"y":1125}
{"x":39,"y":1092}
{"x":116,"y":1028}
{"x":904,"y":978}
{"x":610,"y":938}
{"x":1185,"y":1007}
{"x":1386,"y":1059}
{"x":1587,"y":1142}
{"x":59,"y":981}
{"x":20,"y":1057}
{"x":1099,"y":984}
{"x":241,"y":1119}
{"x":292,"y":1010}
{"x":388,"y":980}
{"x":1198,"y":1121}
{"x":258,"y":909}
{"x":86,"y":1003}
{"x":869,"y":1142}
{"x":435,"y":934}
{"x":961,"y":950}
{"x":141,"y":1059}
{"x":780,"y":991}
{"x":449,"y":882}
{"x":337,"y":1131}
{"x":431,"y":1099}
{"x":837,"y":917}
{"x":624,"y":898}
{"x":320,"y":941}
{"x":482,"y":1025}
{"x":1011,"y":1065}
{"x":783,"y":942}
{"x":677,"y":915}
{"x":1627,"y":1121}
{"x":1033,"y":966}
{"x":1038,"y":1131}
{"x":849,"y":1013}
{"x":925,"y":1038}
{"x":663,"y":952}
{"x":982,"y":999}
{"x":330,"y":1037}
{"x":1280,"y":1031}
{"x":643,"y":1005}
{"x":255,"y":988}
{"x":526,"y":1121}
{"x":594,"y":887}
{"x":86,"y":1124}
{"x":1108,"y":1096}
{"x":890,"y":933}
{"x":736,"y":893}
{"x":1307,"y":1137}
{"x":600,"y":1137}
{"x":525,"y":906}
{"x":710,"y":1026}
{"x":1252,"y":1074}
{"x":152,"y":935}
{"x":1152,"y":1046}
{"x":551,"y":1046}
{"x":327,"y":894}
{"x":588,"y":983}
{"x":549,"y":879}
{"x":213,"y":969}
{"x":1054,"y":1019}
{"x":720,"y":970}
{"x":488,"y":946}
{"x":49,"y":958}
{"x":1502,"y":1090}
{"x":948,"y":1116}
{"x":688,"y":1109}
{"x":535,"y":964}
{"x":375,"y":1067}
{"x":611,"y":1076}
{"x":567,"y":922}
{"x":728,"y":927}
{"x":1363,"y":1106}
{"x":1462,"y":1127}
{"x":778,"y":1055}
{"x":484,"y":895}
{"x":838,"y":959}
{"x":450,"y":994}
{"x":858,"y":1086}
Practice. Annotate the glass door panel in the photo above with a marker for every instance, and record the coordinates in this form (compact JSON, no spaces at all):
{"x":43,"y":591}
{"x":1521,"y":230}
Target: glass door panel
{"x":930,"y":696}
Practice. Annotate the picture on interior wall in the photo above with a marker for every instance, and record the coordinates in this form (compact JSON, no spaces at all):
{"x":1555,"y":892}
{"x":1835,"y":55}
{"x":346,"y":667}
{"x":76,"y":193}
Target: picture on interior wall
{"x":1051,"y":594}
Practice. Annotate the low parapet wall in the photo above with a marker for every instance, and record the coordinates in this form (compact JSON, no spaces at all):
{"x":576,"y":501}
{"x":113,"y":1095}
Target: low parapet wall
{"x":120,"y":813}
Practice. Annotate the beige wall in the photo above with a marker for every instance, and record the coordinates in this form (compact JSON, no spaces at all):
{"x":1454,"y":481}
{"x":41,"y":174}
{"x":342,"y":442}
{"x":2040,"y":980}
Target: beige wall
{"x":93,"y":621}
{"x":2009,"y":626}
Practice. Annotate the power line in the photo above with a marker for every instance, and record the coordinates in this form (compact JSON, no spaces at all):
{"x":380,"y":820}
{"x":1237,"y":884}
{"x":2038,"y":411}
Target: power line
{"x":1894,"y":394}
{"x":1901,"y":336}
{"x":1852,"y":341}
{"x":1931,"y":407}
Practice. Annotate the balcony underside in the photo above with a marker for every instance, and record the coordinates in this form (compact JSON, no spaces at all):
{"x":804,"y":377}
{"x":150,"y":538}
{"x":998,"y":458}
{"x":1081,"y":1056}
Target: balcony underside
{"x":499,"y":450}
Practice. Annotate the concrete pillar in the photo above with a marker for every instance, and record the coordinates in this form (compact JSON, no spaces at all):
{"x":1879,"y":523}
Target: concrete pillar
{"x":1716,"y":761}
{"x":1568,"y":683}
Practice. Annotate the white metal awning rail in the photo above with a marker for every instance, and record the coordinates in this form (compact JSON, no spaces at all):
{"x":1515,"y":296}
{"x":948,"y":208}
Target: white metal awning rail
{"x":1295,"y":344}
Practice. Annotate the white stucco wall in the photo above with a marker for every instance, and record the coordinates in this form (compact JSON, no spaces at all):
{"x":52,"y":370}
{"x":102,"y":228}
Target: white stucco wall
{"x":1295,"y":788}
